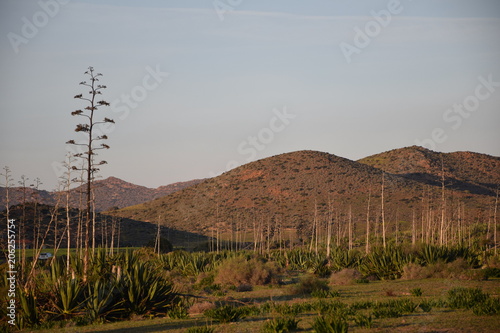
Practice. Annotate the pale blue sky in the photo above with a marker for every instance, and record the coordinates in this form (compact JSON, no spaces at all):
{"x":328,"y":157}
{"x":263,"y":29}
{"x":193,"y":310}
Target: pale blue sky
{"x":227,"y":76}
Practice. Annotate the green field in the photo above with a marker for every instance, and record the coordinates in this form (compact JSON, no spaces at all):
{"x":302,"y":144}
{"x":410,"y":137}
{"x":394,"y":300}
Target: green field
{"x":437,"y":320}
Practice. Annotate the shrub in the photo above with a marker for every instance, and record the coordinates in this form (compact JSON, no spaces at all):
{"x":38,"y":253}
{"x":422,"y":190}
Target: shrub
{"x":458,"y":269}
{"x":425,"y":306}
{"x":225,"y":314}
{"x":388,"y":312}
{"x":363,"y":321}
{"x":492,"y":272}
{"x":178,"y":311}
{"x":244,"y":287}
{"x":330,"y":324}
{"x":198,"y":308}
{"x":412,"y":271}
{"x":389,"y":293}
{"x":465,"y":298}
{"x":320,"y":293}
{"x":201,"y":329}
{"x":280,"y":325}
{"x":416,"y":292}
{"x":238,"y":271}
{"x":490,"y":306}
{"x":345,"y":277}
{"x":361,"y":305}
{"x":310,"y":284}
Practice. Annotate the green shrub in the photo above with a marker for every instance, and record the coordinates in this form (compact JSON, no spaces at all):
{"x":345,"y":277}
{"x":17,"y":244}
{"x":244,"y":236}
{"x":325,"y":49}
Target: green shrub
{"x":363,"y":321}
{"x":320,"y":293}
{"x":425,"y":306}
{"x":387,"y":313}
{"x":490,"y":306}
{"x":280,"y":325}
{"x":330,"y":324}
{"x":225,"y":314}
{"x":310,"y":284}
{"x":416,"y":292}
{"x":465,"y":298}
{"x":178,"y":310}
{"x":385,"y":263}
{"x":490,"y":272}
{"x":361,"y":305}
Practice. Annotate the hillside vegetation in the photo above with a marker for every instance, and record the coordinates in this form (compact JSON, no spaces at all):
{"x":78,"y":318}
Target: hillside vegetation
{"x":293,"y":190}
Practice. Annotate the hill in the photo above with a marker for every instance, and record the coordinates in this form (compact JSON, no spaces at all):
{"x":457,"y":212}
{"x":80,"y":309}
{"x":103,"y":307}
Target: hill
{"x":292,"y":190}
{"x":109,"y":193}
{"x":116,"y":193}
{"x":464,"y":171}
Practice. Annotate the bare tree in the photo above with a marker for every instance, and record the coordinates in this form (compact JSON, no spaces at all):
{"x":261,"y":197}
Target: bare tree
{"x":89,"y":129}
{"x":367,"y":249}
{"x":382,"y":211}
{"x":7,"y":184}
{"x":495,"y":223}
{"x":443,"y":205}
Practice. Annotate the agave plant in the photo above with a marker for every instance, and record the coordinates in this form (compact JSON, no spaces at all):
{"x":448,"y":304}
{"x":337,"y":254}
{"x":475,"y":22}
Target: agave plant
{"x":68,"y":299}
{"x":385,"y":263}
{"x":145,"y":291}
{"x":29,"y":315}
{"x":330,"y":324}
{"x":104,"y":301}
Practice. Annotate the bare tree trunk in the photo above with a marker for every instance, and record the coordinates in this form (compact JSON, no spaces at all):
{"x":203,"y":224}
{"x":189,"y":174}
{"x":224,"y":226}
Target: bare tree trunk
{"x":32,"y":272}
{"x":367,"y":246}
{"x":350,"y":227}
{"x":316,"y":227}
{"x":157,"y":242}
{"x":495,"y":223}
{"x":441,"y":231}
{"x":413,"y":229}
{"x":382,"y":212}
{"x":423,"y":216}
{"x":329,"y":228}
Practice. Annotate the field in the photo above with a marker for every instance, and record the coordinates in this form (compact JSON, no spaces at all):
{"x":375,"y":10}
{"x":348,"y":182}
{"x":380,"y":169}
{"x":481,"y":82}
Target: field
{"x":425,"y":288}
{"x":438,"y":319}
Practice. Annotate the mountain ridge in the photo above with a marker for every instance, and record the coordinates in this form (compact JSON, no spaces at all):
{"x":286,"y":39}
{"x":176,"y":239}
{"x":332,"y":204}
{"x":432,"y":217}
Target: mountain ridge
{"x":111,"y":192}
{"x":294,"y":188}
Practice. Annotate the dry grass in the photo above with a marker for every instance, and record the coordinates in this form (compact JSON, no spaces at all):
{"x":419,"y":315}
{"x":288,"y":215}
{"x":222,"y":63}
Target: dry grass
{"x":458,"y":269}
{"x":346,"y":276}
{"x":238,"y":271}
{"x":199,"y":308}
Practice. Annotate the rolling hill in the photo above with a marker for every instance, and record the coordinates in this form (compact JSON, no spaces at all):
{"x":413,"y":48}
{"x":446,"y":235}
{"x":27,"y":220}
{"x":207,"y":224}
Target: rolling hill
{"x":464,"y":171}
{"x":293,"y":188}
{"x":110,"y":193}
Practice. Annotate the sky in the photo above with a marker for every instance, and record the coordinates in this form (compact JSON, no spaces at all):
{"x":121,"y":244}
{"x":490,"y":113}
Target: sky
{"x":199,"y":87}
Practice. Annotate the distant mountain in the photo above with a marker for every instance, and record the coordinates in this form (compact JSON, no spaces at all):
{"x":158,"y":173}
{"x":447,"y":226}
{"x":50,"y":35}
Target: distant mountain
{"x":464,"y":171}
{"x":116,"y":193}
{"x":292,"y":189}
{"x":109,"y":193}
